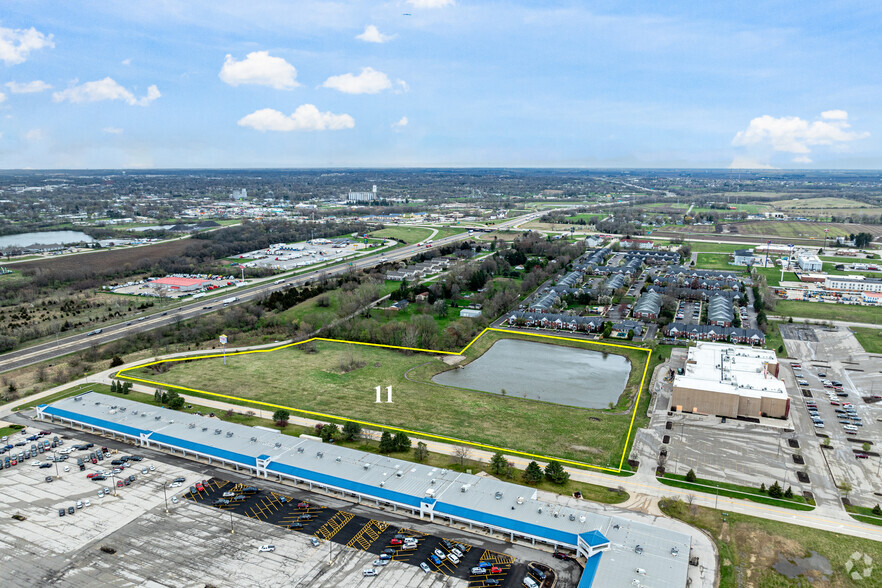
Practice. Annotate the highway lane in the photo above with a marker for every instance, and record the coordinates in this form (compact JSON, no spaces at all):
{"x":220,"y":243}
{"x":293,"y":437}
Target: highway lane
{"x":159,"y":318}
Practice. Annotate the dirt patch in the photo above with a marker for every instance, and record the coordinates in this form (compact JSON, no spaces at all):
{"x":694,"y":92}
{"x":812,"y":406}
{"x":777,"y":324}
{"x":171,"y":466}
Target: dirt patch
{"x":452,"y":359}
{"x":591,"y":450}
{"x":768,"y":549}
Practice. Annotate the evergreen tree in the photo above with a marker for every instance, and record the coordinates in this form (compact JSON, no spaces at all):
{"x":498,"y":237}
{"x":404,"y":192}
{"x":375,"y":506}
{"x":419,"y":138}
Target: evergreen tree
{"x":690,"y":476}
{"x":555,"y":473}
{"x":533,"y":474}
{"x":351,"y":430}
{"x":775,"y":490}
{"x":401,"y":441}
{"x":387,"y":443}
{"x":420,"y":452}
{"x":763,"y":487}
{"x":788,"y":493}
{"x":498,"y":463}
{"x":877,"y":511}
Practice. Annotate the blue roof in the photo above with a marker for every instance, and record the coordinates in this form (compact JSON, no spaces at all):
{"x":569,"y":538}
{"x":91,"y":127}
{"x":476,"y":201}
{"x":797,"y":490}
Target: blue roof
{"x":81,"y":418}
{"x":594,"y":538}
{"x":587,"y":578}
{"x":205,"y":449}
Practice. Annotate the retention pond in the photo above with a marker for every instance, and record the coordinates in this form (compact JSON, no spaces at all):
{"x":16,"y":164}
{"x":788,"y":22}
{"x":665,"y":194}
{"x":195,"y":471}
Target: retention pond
{"x":541,"y":371}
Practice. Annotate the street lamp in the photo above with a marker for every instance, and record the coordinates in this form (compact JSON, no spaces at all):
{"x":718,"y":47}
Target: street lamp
{"x":55,"y":459}
{"x":165,"y":495}
{"x":231,"y":523}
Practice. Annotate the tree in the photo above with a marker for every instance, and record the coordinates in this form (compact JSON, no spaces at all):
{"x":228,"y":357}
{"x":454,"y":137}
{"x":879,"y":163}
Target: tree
{"x":862,"y":240}
{"x":116,"y":361}
{"x":462,"y":453}
{"x":401,"y":441}
{"x":329,"y":432}
{"x":127,"y":387}
{"x":281,"y":416}
{"x":533,"y":474}
{"x":826,"y":442}
{"x":788,"y":493}
{"x":763,"y":488}
{"x":387,"y":443}
{"x":845,"y":487}
{"x":877,"y":511}
{"x":775,"y":490}
{"x":690,"y":476}
{"x":351,"y":430}
{"x":420,"y":452}
{"x":498,"y":463}
{"x":555,"y":473}
{"x":157,"y":396}
{"x":866,"y":446}
{"x":113,"y":389}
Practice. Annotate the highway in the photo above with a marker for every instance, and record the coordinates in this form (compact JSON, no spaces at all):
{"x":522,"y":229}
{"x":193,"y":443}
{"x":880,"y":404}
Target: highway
{"x":159,"y":318}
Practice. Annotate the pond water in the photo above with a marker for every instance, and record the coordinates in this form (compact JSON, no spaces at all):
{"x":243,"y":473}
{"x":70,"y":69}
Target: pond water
{"x":540,"y":371}
{"x":44,"y":238}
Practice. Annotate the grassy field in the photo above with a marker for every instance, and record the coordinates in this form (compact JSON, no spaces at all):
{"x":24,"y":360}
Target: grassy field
{"x":407,"y":234}
{"x":749,"y":548}
{"x":715,"y":261}
{"x":709,"y":247}
{"x":803,"y":229}
{"x":316,"y":315}
{"x":774,"y":340}
{"x":870,"y":339}
{"x":773,"y":274}
{"x":829,"y":312}
{"x":733,"y":491}
{"x":10,"y":430}
{"x":315,"y":382}
{"x":817,"y":207}
{"x":587,"y":217}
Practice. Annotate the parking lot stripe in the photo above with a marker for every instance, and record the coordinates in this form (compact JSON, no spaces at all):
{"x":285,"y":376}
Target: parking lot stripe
{"x":334,"y":524}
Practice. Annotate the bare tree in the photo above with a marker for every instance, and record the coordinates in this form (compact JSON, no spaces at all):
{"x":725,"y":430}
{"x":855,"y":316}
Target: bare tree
{"x":462,"y":453}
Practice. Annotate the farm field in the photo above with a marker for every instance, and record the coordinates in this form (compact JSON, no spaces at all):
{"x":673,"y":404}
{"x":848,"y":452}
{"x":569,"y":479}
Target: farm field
{"x":709,"y":247}
{"x":750,"y":547}
{"x":803,"y":229}
{"x":339,"y":380}
{"x":828,"y":312}
{"x":870,"y":339}
{"x":587,"y":217}
{"x":92,"y":262}
{"x":826,"y":207}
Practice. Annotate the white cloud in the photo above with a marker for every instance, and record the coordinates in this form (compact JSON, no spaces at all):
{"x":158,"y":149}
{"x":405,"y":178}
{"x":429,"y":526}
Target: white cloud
{"x":16,"y":44}
{"x":2,"y":97}
{"x":802,"y":159}
{"x":834,"y":115}
{"x":112,"y":130}
{"x":431,"y":3}
{"x":306,"y":118}
{"x":795,"y":135}
{"x":400,"y":123}
{"x":127,"y":61}
{"x":372,"y":34}
{"x":747,"y":163}
{"x":33,"y":135}
{"x":369,"y":81}
{"x":106,"y":89}
{"x":28,"y":87}
{"x":259,"y":68}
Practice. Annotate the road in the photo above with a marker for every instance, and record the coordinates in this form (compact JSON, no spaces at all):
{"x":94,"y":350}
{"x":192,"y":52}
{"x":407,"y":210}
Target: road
{"x":73,"y":343}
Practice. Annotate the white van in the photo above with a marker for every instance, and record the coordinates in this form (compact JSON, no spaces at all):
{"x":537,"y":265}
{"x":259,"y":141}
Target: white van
{"x":530,"y":582}
{"x":369,"y":572}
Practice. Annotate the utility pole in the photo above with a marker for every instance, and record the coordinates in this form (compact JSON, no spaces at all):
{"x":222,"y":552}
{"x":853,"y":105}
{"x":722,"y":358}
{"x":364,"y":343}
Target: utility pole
{"x":231,"y":523}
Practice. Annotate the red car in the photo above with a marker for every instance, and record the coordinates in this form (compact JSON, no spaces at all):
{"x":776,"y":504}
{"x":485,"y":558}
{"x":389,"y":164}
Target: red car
{"x":834,"y":402}
{"x":119,"y":484}
{"x":861,"y":456}
{"x":302,"y":505}
{"x":92,"y":475}
{"x":199,"y":486}
{"x":495,"y":570}
{"x":396,"y":542}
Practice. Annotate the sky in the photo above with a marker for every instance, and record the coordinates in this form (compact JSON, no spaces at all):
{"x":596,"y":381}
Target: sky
{"x":440,"y":83}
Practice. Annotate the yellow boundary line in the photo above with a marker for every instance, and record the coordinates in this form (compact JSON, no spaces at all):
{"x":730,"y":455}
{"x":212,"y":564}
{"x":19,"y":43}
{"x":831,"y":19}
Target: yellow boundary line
{"x":120,"y":374}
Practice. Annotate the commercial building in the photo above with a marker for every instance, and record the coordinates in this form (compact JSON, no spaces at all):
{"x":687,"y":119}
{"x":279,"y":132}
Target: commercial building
{"x":179,"y":284}
{"x":362,"y":196}
{"x":730,"y":381}
{"x":810,"y":263}
{"x":853,"y":283}
{"x":618,"y":550}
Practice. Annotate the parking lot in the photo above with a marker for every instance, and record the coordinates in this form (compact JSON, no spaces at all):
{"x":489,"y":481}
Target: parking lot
{"x":193,"y":544}
{"x":384,"y":540}
{"x":287,"y":256}
{"x":688,"y":312}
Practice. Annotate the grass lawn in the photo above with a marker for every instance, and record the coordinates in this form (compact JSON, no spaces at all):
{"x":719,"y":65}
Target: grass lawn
{"x":830,"y":268}
{"x":72,"y":391}
{"x":588,"y":218}
{"x":773,"y":274}
{"x":801,"y":229}
{"x":709,"y":247}
{"x":315,"y":382}
{"x":448,"y":231}
{"x":10,"y":430}
{"x":318,"y":316}
{"x":715,"y":261}
{"x":774,"y":340}
{"x":407,"y":234}
{"x":828,"y":312}
{"x":734,"y":491}
{"x":749,"y":547}
{"x":870,"y":339}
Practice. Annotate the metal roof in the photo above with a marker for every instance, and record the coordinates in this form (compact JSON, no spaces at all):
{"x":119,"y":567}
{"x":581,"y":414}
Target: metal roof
{"x":481,"y":499}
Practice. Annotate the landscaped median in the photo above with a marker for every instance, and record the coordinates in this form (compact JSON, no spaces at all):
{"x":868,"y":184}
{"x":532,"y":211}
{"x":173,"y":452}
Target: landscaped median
{"x":864,"y":514}
{"x":735,"y":491}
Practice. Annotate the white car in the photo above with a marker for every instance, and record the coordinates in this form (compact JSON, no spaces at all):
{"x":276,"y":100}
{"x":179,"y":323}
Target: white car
{"x":174,"y":485}
{"x":174,"y":499}
{"x":152,"y":468}
{"x":380,"y":562}
{"x":67,"y":468}
{"x":36,"y":463}
{"x":101,"y":494}
{"x":263,"y":548}
{"x":87,"y":503}
{"x":453,"y":558}
{"x":440,"y":554}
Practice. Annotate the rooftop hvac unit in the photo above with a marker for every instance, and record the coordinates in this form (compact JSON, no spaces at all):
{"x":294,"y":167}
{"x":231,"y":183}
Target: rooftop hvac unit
{"x":539,"y":510}
{"x":229,"y":434}
{"x":143,"y":414}
{"x":278,"y":444}
{"x":157,"y":417}
{"x":382,"y":484}
{"x":399,"y":474}
{"x":339,"y":459}
{"x":122,"y":408}
{"x":78,"y":398}
{"x":134,"y":411}
{"x":433,"y":481}
{"x":113,"y":407}
{"x":582,"y":519}
{"x":465,"y":487}
{"x":499,"y":496}
{"x":366,"y":466}
{"x":204,"y":429}
{"x":299,"y":450}
{"x":217,"y":431}
{"x":319,"y":454}
{"x":556,"y":514}
{"x":572,"y":517}
{"x":171,"y":422}
{"x":191,"y":426}
{"x":253,"y":439}
{"x":520,"y":499}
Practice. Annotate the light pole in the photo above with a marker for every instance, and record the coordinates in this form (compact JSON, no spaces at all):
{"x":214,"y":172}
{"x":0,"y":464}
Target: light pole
{"x":55,"y":459}
{"x":231,"y":523}
{"x":165,"y":496}
{"x":113,"y":482}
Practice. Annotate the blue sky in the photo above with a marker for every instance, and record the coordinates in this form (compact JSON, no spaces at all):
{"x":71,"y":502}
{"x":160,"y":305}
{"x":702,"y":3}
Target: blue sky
{"x":287,"y":83}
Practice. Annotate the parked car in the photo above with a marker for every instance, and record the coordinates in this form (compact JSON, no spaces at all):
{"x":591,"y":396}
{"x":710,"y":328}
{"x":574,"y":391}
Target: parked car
{"x":265,"y":548}
{"x":425,"y":567}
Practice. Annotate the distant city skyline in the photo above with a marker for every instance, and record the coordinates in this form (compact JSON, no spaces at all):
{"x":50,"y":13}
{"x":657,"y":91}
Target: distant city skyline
{"x":440,"y":83}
